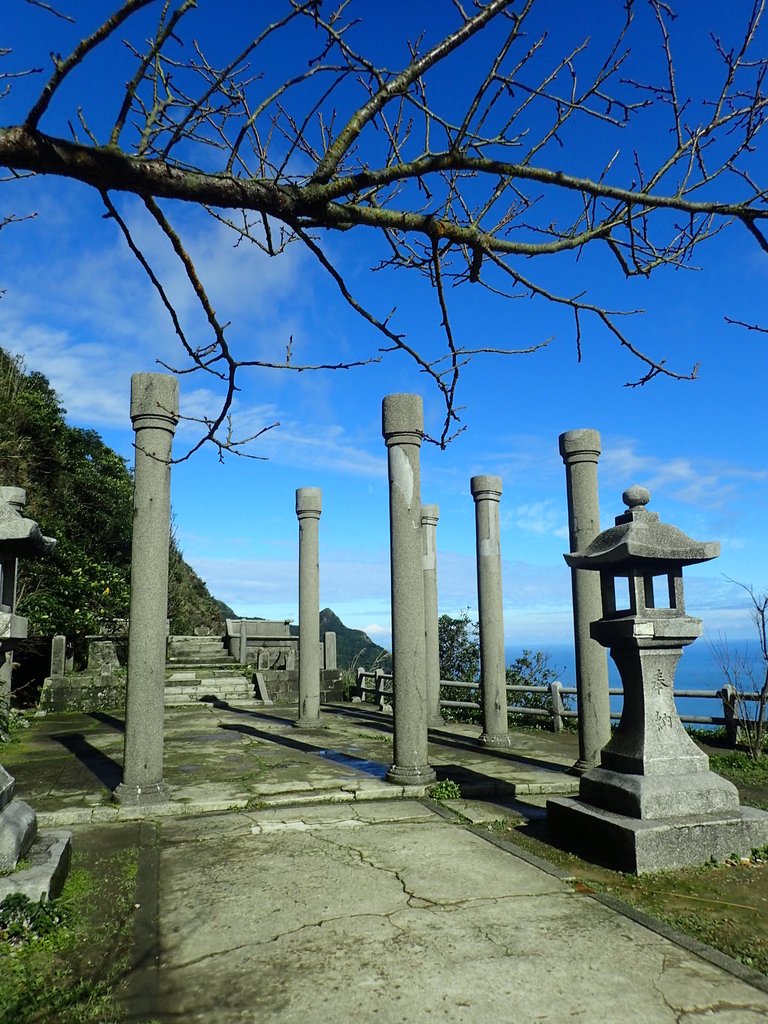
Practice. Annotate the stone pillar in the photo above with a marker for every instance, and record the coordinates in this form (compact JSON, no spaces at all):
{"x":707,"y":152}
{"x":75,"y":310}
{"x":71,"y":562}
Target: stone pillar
{"x":308,"y":508}
{"x":154,"y":413}
{"x":429,"y":517}
{"x":58,"y":655}
{"x":580,"y":450}
{"x":402,"y":419}
{"x":486,"y":491}
{"x":329,"y":650}
{"x":242,"y":651}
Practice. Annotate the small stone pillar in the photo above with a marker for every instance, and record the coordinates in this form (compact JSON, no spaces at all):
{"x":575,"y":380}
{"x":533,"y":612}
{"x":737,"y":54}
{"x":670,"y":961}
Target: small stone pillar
{"x":154,"y":414}
{"x":486,"y":491}
{"x":403,"y":429}
{"x":58,"y":655}
{"x":329,"y":651}
{"x":309,"y":505}
{"x":580,"y":450}
{"x":242,"y":651}
{"x":429,"y":517}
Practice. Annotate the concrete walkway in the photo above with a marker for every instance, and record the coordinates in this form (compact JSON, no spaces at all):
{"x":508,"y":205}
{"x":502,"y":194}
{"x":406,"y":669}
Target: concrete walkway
{"x":344,"y":906}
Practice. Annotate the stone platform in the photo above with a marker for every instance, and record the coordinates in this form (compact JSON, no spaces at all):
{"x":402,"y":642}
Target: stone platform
{"x":653,"y":844}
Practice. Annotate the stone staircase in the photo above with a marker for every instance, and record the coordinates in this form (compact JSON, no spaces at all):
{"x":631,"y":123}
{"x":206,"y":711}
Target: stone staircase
{"x":200,"y":667}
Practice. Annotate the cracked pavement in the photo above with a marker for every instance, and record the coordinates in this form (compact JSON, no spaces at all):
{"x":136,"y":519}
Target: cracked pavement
{"x":388,"y":912}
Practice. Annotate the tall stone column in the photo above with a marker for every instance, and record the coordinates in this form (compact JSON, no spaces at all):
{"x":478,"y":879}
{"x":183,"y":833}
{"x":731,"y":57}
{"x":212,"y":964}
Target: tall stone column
{"x":154,"y":413}
{"x":429,"y":517}
{"x":402,"y":422}
{"x":580,"y":450}
{"x":486,"y":491}
{"x":309,"y":505}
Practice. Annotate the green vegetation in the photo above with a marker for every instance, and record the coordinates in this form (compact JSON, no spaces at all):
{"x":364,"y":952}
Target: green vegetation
{"x":64,"y":961}
{"x":445,"y":789}
{"x":459,"y":647}
{"x":741,"y":768}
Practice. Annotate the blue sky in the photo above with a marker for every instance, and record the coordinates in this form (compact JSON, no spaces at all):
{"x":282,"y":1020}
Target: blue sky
{"x":78,"y":308}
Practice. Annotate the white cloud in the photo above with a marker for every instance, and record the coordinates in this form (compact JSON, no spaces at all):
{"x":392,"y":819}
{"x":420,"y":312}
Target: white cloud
{"x":710,"y":483}
{"x":540,"y":517}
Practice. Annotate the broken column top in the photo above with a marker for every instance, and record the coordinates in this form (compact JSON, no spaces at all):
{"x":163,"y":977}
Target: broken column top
{"x":485,"y":487}
{"x":639,"y":539}
{"x":155,"y":396}
{"x":402,"y":419}
{"x":309,"y":501}
{"x":583,"y":442}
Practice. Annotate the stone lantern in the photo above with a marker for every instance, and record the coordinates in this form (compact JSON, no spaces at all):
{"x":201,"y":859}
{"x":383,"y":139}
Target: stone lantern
{"x":19,"y":538}
{"x":652,"y":802}
{"x":48,"y":854}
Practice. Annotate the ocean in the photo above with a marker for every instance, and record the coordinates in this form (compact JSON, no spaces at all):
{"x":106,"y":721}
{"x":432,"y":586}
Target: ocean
{"x":698,"y":669}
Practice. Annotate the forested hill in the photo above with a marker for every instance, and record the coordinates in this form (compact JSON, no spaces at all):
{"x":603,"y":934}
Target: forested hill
{"x":80,"y":491}
{"x":353,"y":647}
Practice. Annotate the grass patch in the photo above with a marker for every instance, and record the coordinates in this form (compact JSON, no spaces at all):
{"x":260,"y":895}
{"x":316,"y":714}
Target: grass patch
{"x":741,"y":768}
{"x":722,"y":905}
{"x":65,"y":961}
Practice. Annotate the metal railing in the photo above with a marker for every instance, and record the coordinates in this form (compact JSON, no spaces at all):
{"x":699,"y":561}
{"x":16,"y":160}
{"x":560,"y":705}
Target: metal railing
{"x":557,"y":712}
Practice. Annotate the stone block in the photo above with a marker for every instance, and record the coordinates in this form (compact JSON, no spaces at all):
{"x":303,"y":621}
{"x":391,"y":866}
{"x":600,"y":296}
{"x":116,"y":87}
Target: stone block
{"x":658,"y":796}
{"x":7,"y":786}
{"x":49,"y":858}
{"x":18,"y":828}
{"x":641,"y":846}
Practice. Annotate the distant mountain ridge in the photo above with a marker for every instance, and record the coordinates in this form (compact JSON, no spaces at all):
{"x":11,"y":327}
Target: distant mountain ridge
{"x":354,"y":648}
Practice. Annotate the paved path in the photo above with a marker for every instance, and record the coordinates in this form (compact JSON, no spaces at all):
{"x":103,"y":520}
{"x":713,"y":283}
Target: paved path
{"x":338,"y":903}
{"x":386,"y":913}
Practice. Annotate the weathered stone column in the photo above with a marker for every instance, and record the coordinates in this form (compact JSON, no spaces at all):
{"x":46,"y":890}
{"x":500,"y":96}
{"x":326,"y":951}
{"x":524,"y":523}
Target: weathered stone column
{"x":58,"y":655}
{"x":486,"y":491}
{"x":154,"y":413}
{"x":329,"y":650}
{"x":429,"y":517}
{"x":309,"y":505}
{"x":580,"y":450}
{"x":402,"y":422}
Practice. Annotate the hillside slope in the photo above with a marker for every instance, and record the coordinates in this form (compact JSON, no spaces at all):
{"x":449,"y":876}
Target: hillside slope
{"x":353,"y":647}
{"x":81,"y":493}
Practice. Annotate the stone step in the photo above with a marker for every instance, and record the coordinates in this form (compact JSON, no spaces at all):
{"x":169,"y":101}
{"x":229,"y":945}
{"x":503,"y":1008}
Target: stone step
{"x":225,"y":690}
{"x":186,"y":663}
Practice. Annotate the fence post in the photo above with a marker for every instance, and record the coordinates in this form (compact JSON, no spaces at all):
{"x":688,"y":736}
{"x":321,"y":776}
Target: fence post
{"x":378,"y":682}
{"x":556,"y":691}
{"x":730,"y":714}
{"x":357,"y":695}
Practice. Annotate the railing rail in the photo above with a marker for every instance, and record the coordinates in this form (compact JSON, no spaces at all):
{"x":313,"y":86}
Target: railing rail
{"x":381,"y":695}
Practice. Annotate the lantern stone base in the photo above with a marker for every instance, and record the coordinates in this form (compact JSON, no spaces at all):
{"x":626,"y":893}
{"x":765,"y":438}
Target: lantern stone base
{"x":643,"y":845}
{"x":659,"y":796}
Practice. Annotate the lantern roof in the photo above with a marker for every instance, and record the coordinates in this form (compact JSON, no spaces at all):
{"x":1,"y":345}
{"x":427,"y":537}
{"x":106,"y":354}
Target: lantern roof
{"x":639,"y":539}
{"x":20,"y":537}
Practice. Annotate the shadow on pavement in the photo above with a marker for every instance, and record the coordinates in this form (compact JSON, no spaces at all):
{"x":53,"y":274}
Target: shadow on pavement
{"x":107,"y":771}
{"x":101,"y":716}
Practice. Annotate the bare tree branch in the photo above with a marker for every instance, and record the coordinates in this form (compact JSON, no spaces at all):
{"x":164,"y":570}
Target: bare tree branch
{"x":461,"y":188}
